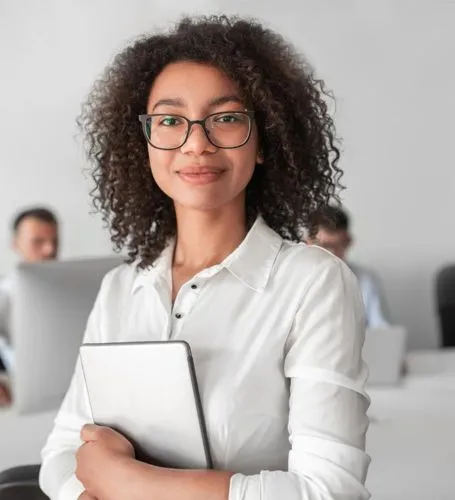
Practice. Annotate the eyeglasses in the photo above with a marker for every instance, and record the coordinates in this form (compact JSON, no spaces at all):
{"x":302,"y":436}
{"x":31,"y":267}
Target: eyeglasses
{"x":226,"y":130}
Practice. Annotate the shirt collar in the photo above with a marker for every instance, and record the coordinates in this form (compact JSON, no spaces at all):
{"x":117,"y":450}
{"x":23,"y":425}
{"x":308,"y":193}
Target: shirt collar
{"x":159,"y":270}
{"x":251,"y":262}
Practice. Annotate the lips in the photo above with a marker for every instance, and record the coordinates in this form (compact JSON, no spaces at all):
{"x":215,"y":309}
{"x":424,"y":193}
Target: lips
{"x":200,"y":174}
{"x":200,"y":170}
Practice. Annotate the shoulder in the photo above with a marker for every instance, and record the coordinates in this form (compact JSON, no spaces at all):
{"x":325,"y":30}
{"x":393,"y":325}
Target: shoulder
{"x":302,"y":271}
{"x":311,"y":255}
{"x":308,"y":262}
{"x":366,"y":277}
{"x":121,"y":275}
{"x":118,"y":281}
{"x":329,"y":324}
{"x":6,"y":285}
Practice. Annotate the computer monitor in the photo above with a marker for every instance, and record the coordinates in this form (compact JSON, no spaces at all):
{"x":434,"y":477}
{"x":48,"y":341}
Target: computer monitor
{"x":384,"y":352}
{"x":50,"y":305}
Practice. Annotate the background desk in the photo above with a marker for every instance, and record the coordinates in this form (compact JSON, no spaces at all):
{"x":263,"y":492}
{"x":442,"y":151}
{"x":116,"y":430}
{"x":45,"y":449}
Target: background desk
{"x":411,"y":439}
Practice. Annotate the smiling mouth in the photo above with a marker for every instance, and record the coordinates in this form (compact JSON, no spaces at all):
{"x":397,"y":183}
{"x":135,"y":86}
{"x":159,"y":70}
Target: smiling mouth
{"x":200,"y":175}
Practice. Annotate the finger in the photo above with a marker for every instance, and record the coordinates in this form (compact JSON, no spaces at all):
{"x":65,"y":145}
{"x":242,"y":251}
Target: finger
{"x":80,"y":451}
{"x":86,"y":496}
{"x":90,"y":432}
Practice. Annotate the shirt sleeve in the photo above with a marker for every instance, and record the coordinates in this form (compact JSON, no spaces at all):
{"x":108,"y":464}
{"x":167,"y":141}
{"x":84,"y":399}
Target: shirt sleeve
{"x":373,"y":301}
{"x":57,"y":478}
{"x":6,"y":350}
{"x":328,"y":404}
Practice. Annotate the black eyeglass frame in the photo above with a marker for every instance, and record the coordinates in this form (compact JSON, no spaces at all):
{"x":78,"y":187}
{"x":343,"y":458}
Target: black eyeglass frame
{"x":143,"y":119}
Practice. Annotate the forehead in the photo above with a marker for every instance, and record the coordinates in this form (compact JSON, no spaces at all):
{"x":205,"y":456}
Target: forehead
{"x":192,"y":82}
{"x":325,"y":235}
{"x":32,"y":226}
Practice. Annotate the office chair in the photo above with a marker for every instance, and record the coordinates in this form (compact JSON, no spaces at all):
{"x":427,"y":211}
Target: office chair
{"x":445,"y":297}
{"x":21,"y":483}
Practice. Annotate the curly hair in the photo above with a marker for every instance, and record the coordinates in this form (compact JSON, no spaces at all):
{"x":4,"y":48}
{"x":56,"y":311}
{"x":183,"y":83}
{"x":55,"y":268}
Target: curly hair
{"x":296,"y":132}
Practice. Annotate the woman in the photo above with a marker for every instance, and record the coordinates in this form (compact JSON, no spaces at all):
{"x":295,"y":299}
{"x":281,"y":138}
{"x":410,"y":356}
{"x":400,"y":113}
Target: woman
{"x":236,"y":151}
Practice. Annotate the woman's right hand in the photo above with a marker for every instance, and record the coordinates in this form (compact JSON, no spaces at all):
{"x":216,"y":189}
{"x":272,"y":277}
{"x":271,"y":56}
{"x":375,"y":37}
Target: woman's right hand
{"x":86,"y":496}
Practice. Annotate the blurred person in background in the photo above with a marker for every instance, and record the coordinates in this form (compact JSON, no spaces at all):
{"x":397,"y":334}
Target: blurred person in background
{"x":35,"y":238}
{"x":330,"y":229}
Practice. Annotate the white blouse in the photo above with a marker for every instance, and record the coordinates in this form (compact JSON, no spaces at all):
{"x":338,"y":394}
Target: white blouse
{"x":276,"y":332}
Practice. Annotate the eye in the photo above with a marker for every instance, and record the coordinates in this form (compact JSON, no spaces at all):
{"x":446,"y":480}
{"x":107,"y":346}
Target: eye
{"x":169,"y":121}
{"x":228,"y":118}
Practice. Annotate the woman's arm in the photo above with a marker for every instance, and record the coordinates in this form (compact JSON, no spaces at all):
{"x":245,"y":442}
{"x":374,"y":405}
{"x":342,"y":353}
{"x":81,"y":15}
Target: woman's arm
{"x":327,"y":419}
{"x":170,"y":484}
{"x":108,"y":470}
{"x":57,"y":477}
{"x":328,"y":403}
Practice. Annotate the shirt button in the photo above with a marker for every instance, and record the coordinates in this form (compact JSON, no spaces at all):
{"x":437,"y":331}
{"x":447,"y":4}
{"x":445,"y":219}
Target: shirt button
{"x":178,"y":315}
{"x":193,"y":286}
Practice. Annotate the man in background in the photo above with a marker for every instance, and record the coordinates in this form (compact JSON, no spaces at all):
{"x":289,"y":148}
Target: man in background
{"x":330,"y":230}
{"x":35,"y":238}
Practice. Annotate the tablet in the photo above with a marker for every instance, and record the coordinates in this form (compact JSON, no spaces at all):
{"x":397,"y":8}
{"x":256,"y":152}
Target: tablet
{"x":148,"y":392}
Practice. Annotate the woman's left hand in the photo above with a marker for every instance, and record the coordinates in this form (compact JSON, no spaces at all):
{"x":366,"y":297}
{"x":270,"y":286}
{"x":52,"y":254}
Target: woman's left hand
{"x":98,"y":458}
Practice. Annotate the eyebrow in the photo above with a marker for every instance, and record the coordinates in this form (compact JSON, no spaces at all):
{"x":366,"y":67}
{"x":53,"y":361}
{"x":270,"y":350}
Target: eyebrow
{"x":169,"y":102}
{"x":218,"y":101}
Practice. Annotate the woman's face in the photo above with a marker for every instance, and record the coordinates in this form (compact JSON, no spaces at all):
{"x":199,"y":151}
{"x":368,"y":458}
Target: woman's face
{"x":199,"y":175}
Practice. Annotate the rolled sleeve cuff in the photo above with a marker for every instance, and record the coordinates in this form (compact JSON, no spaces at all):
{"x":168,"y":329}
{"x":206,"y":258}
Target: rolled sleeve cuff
{"x":71,"y":490}
{"x":243,"y":487}
{"x":268,"y":485}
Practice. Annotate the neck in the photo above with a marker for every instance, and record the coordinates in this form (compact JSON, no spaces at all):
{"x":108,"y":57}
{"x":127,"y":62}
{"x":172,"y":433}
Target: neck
{"x":206,"y":238}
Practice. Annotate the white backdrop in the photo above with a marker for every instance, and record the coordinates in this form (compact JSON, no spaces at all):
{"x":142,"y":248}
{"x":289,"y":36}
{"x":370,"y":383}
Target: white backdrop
{"x":389,"y":63}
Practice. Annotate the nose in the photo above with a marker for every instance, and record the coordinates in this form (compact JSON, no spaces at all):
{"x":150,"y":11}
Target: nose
{"x":197,"y":142}
{"x":49,"y":250}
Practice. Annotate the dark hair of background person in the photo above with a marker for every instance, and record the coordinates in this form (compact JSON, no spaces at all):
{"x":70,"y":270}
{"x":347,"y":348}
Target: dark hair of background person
{"x":296,"y":132}
{"x":331,"y":218}
{"x":40,"y":213}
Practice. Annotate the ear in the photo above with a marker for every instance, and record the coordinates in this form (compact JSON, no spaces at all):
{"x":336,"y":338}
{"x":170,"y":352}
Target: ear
{"x":260,"y":157}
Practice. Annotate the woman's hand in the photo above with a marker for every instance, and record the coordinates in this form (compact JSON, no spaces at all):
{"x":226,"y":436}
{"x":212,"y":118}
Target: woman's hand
{"x":107,"y":469}
{"x":86,"y":496}
{"x":103,"y":450}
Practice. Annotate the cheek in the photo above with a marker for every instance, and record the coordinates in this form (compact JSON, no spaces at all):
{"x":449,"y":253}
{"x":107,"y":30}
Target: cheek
{"x":245,"y":173}
{"x":244,"y":160}
{"x":160,"y":166}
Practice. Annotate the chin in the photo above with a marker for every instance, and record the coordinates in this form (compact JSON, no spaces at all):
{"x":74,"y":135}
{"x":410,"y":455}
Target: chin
{"x":207,"y":198}
{"x":202,"y":206}
{"x":203,"y":203}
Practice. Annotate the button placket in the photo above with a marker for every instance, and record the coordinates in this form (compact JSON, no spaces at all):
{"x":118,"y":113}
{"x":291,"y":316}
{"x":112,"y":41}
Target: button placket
{"x":177,"y":316}
{"x":179,"y":311}
{"x":185,"y":300}
{"x":163,"y":294}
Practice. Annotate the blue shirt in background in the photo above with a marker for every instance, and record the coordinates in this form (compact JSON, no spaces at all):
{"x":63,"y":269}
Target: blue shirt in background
{"x":373,"y":299}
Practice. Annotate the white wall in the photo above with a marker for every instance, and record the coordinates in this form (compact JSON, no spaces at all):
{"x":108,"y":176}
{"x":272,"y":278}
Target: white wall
{"x":390,"y":64}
